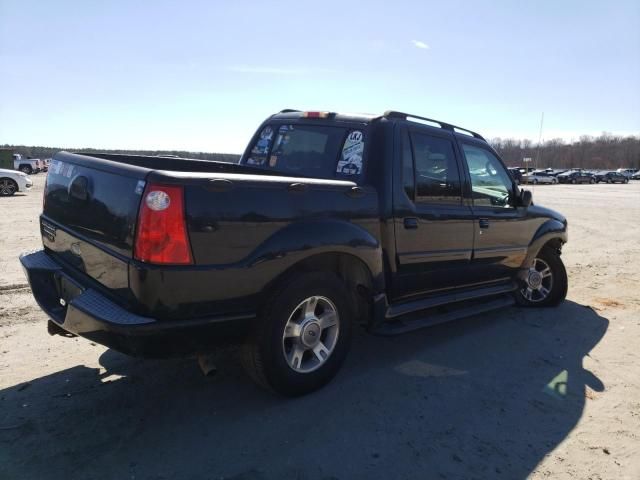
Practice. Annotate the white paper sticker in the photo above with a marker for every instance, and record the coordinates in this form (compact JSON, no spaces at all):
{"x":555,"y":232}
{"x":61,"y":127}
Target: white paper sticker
{"x":351,"y":159}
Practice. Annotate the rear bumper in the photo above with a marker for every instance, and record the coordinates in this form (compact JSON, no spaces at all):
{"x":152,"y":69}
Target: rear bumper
{"x":84,"y":311}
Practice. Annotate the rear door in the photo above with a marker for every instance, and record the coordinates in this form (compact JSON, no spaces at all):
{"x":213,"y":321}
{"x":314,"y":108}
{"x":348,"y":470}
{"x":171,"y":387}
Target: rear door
{"x":502,"y":233}
{"x":433,"y":227}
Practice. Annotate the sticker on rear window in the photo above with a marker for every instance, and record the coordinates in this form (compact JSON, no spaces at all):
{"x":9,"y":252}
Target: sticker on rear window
{"x":56,"y":165}
{"x":351,"y":158}
{"x":261,"y":148}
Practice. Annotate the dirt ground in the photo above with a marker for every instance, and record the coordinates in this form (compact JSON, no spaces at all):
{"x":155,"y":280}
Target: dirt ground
{"x":510,"y":394}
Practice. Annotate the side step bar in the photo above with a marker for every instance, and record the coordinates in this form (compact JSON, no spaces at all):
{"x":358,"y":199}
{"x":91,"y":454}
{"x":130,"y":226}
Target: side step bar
{"x":401,"y":309}
{"x":396,"y":327}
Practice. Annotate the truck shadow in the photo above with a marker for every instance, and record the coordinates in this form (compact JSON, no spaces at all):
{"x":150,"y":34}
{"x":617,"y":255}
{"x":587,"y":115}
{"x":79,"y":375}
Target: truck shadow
{"x":480,"y":398}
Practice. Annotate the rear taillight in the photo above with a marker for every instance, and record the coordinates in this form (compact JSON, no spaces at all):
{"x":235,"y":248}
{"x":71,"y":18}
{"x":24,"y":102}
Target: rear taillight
{"x":161,"y":236}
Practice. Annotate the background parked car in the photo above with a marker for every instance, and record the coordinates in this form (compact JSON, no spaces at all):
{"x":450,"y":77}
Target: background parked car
{"x":12,"y":182}
{"x":541,"y":177}
{"x":611,"y":177}
{"x":516,"y":174}
{"x":636,"y":176}
{"x":26,"y":165}
{"x":576,"y":177}
{"x":627,"y":172}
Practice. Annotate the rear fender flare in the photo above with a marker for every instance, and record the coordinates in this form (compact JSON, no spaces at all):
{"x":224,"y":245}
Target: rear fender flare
{"x":301,"y":240}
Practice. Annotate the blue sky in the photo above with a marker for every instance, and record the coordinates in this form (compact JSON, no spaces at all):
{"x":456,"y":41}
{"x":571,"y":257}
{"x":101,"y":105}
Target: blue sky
{"x":201,"y":75}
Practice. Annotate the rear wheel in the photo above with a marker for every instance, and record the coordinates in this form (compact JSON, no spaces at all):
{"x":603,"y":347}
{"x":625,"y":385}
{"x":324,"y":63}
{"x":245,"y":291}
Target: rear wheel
{"x":574,"y":181}
{"x":7,"y":187}
{"x":302,"y":337}
{"x":626,"y":180}
{"x":546,"y":283}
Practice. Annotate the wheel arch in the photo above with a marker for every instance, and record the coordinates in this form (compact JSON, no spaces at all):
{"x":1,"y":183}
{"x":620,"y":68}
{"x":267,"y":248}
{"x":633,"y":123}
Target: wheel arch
{"x":552,"y":233}
{"x":359,"y":280}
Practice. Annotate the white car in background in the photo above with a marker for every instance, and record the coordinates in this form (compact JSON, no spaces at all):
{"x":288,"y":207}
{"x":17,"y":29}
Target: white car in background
{"x":541,"y":177}
{"x":12,"y":181}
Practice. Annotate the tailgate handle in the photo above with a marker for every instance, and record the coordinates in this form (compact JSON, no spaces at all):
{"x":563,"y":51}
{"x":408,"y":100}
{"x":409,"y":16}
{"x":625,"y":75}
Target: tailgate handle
{"x":220,"y":185}
{"x":79,"y":188}
{"x":298,"y":187}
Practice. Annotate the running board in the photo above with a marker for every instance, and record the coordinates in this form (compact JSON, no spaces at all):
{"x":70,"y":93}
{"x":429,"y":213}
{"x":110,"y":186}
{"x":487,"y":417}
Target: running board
{"x":396,"y":327}
{"x":401,"y":309}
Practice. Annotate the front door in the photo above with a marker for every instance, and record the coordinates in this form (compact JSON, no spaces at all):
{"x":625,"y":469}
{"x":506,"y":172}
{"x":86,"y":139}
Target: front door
{"x":433,"y":227}
{"x":502,"y":231}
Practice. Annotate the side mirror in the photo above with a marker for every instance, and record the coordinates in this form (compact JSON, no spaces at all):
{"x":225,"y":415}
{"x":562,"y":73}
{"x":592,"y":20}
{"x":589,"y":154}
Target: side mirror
{"x":526,"y":198}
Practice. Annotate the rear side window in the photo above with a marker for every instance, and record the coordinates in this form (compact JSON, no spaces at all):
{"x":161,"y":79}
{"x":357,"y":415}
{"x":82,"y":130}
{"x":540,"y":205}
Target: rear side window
{"x":408,"y":178}
{"x":309,"y":150}
{"x":436,"y":170}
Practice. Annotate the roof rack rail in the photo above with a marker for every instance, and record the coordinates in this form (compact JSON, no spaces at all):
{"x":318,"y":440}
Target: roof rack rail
{"x":446,"y":126}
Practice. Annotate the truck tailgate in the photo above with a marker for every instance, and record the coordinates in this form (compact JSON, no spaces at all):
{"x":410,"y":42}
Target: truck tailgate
{"x":89,"y":215}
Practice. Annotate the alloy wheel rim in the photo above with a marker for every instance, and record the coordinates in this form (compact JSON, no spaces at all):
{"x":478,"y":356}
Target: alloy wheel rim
{"x":7,"y":187}
{"x":311,"y":334}
{"x":539,"y":282}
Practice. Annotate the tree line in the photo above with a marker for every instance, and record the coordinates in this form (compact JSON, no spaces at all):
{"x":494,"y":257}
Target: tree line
{"x":48,"y":152}
{"x":606,"y":151}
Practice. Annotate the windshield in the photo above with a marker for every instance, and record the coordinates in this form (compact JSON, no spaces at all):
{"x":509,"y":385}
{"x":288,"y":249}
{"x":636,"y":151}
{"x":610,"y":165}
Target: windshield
{"x":309,"y":150}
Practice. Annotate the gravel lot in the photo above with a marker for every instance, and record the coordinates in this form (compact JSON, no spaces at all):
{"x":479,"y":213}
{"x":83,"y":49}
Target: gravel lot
{"x":511,"y":394}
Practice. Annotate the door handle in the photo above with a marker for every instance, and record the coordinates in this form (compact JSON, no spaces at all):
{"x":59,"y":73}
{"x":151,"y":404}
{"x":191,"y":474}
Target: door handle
{"x":484,"y":223}
{"x":410,"y":223}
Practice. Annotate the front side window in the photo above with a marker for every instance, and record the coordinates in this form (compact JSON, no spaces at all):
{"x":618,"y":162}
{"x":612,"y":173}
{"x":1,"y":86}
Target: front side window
{"x":309,"y":150}
{"x":436,"y":170}
{"x":490,"y":183}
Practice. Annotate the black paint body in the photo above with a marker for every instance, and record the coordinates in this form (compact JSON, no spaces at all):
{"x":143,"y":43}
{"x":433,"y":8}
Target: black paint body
{"x":249,"y":228}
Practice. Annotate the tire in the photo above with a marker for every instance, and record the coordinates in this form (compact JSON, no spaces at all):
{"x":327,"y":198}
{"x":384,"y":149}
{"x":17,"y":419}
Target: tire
{"x":592,"y":181}
{"x":554,"y":181}
{"x":270,"y":359}
{"x":626,"y":180}
{"x":557,"y":287}
{"x":535,"y":181}
{"x":574,"y":181}
{"x":8,"y":187}
{"x":26,"y":169}
{"x":608,"y":180}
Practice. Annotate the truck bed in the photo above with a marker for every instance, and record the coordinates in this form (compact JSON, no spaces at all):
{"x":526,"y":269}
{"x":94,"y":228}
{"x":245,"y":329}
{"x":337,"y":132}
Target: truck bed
{"x":245,"y":227}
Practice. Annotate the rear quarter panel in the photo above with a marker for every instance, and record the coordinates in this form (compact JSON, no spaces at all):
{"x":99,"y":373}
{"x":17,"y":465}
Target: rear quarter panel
{"x":246,"y":235}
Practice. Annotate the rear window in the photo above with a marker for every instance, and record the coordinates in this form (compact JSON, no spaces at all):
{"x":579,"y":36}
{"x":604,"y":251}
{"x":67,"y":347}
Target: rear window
{"x":309,"y":150}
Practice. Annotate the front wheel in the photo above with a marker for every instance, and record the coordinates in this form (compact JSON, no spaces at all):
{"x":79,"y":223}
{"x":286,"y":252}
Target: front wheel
{"x":592,"y":181}
{"x":7,"y":187}
{"x":302,"y":336}
{"x":546,"y":283}
{"x":574,"y":181}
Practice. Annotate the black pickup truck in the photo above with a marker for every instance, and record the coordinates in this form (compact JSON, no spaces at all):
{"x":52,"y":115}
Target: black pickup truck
{"x":394,"y":222}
